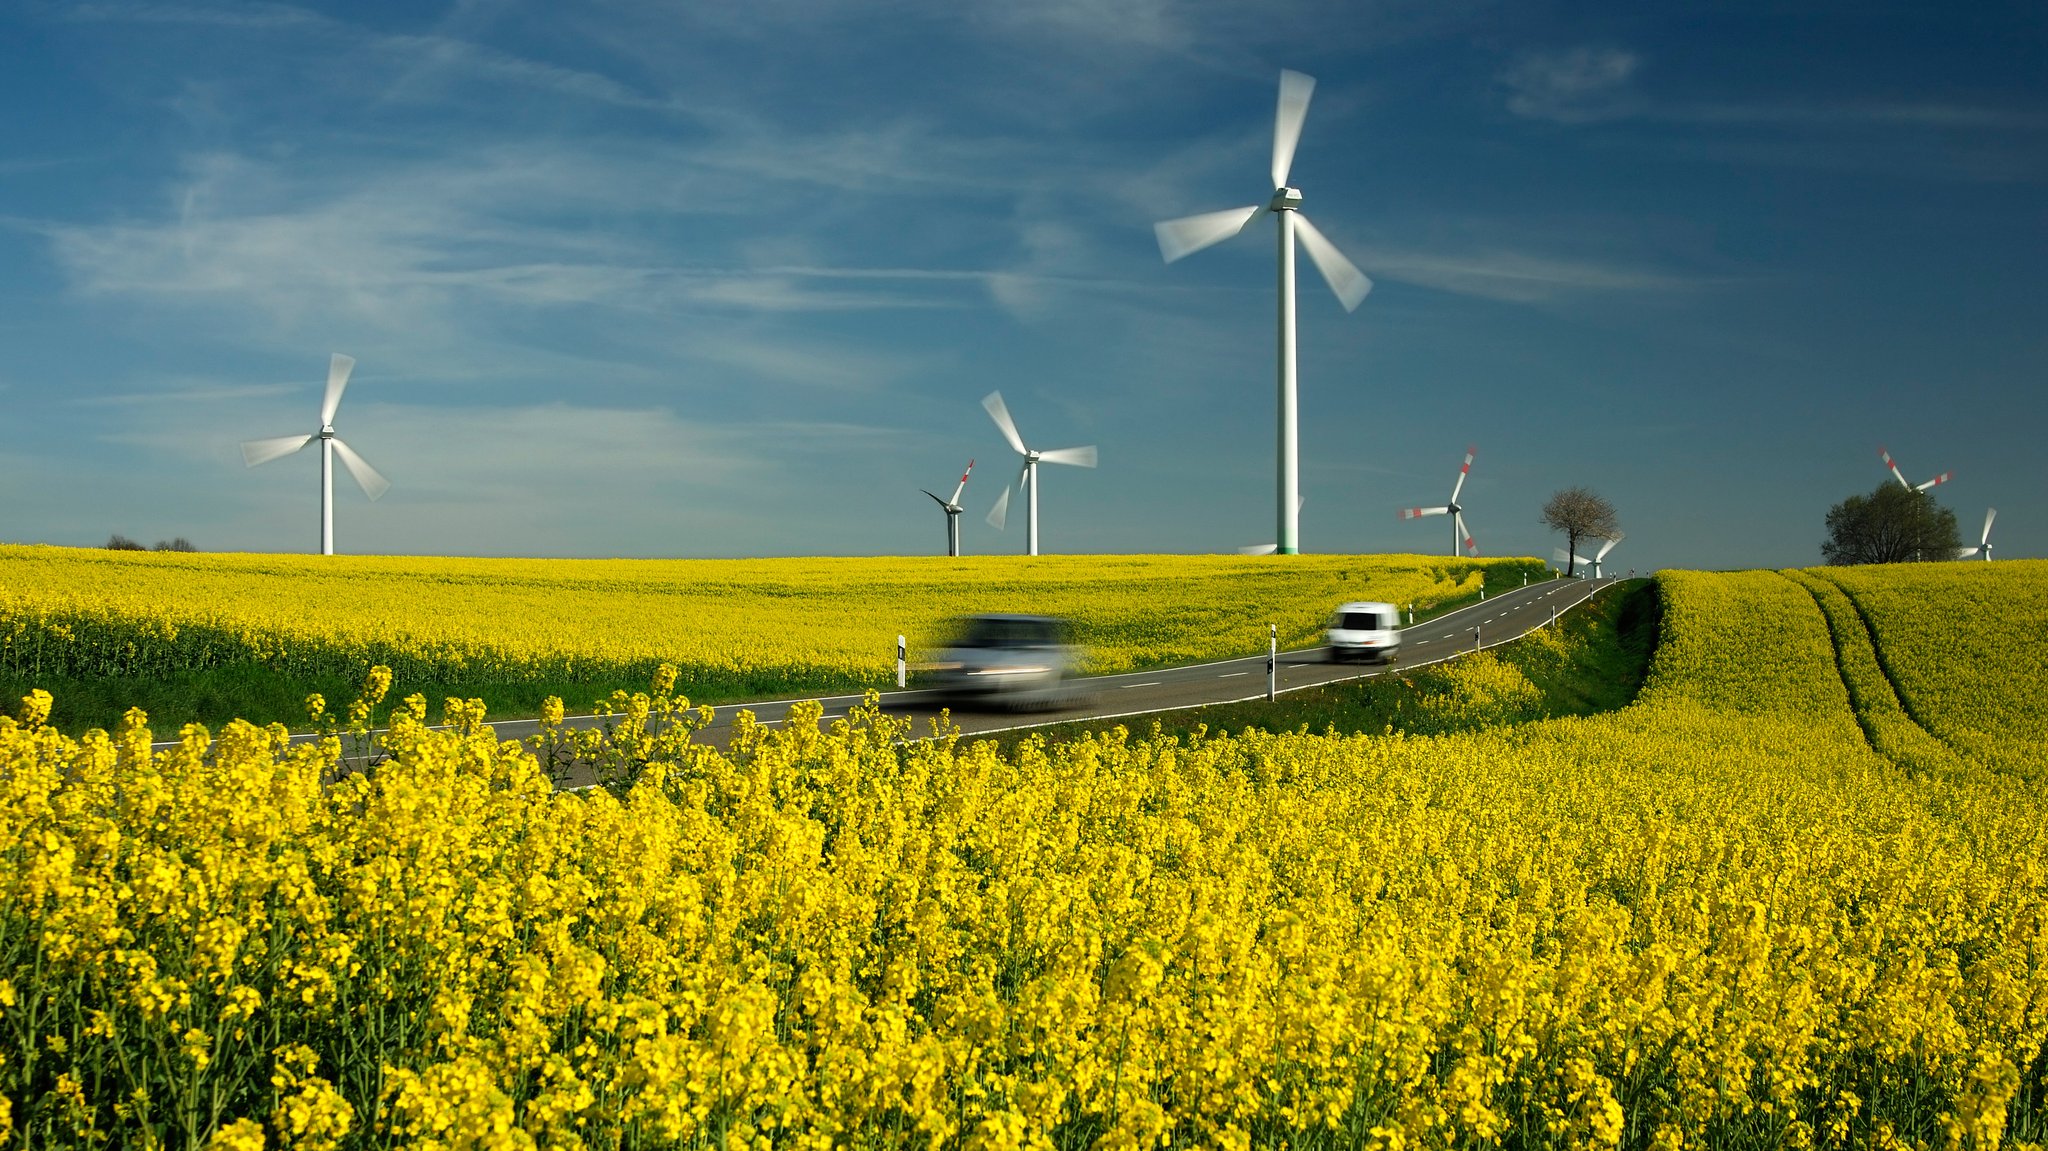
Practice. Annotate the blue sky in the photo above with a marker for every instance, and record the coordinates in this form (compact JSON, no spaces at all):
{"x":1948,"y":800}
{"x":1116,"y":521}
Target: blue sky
{"x":630,"y":278}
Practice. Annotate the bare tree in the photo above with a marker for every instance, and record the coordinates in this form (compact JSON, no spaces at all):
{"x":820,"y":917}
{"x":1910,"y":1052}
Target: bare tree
{"x":120,"y":543}
{"x":1579,"y":513}
{"x":181,"y":544}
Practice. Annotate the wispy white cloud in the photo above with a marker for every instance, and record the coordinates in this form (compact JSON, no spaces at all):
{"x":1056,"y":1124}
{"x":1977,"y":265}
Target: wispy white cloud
{"x":1571,"y":86}
{"x":1520,"y":276}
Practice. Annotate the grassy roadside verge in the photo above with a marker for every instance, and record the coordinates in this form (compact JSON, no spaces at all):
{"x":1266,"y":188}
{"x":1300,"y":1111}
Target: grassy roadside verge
{"x":1594,"y":662}
{"x":262,"y":694}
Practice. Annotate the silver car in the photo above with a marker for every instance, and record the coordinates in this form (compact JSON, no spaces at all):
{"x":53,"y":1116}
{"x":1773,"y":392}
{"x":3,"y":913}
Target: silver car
{"x":1008,"y":661}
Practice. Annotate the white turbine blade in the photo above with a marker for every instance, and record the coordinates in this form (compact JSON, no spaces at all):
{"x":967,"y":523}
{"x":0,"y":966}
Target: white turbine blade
{"x":1966,"y":553}
{"x":1940,"y":479}
{"x":1004,"y":424}
{"x":1190,"y":234}
{"x":367,"y":478}
{"x":1000,"y":514}
{"x":1604,"y":549}
{"x":1295,"y":89}
{"x":1343,"y":276}
{"x":1259,"y":550}
{"x":1464,"y":470}
{"x":1989,"y":515}
{"x":263,"y":451}
{"x":955,"y":501}
{"x":338,"y":369}
{"x":937,"y":500}
{"x":1887,"y":457}
{"x":1416,"y":513}
{"x":1471,"y":545}
{"x":1079,"y":457}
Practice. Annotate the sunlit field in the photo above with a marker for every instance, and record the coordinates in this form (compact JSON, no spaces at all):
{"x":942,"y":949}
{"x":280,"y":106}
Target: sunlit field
{"x":1716,"y":917}
{"x":260,"y":631}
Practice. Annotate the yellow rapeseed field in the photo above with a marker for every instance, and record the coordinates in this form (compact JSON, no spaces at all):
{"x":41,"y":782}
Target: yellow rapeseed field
{"x":1714,"y":919}
{"x":730,"y":626}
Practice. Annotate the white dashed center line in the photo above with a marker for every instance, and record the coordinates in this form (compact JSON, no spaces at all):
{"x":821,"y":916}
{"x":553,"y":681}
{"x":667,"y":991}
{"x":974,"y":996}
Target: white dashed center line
{"x":1128,"y":686}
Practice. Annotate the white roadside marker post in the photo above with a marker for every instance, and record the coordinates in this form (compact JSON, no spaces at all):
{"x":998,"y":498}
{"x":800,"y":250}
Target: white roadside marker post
{"x":1553,"y":617}
{"x":1475,"y":640}
{"x":899,"y":661}
{"x":1272,"y":661}
{"x":1411,"y":615}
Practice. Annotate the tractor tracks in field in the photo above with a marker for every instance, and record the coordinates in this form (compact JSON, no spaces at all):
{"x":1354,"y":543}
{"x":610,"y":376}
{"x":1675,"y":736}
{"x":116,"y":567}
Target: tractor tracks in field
{"x":1888,"y":722}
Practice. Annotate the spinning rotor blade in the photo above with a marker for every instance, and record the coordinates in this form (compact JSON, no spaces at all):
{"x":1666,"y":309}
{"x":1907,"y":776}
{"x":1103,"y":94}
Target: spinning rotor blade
{"x":338,"y":369}
{"x":1259,"y":550}
{"x":938,"y":501}
{"x":1000,"y":514}
{"x":1989,"y":515}
{"x":1295,"y":89}
{"x":263,"y":451}
{"x":1940,"y":479}
{"x":1004,"y":424}
{"x":1417,"y":513}
{"x":963,"y":484}
{"x":1471,"y":545}
{"x":1343,"y":276}
{"x":1463,"y":470}
{"x":1079,"y":457}
{"x":1604,"y":549}
{"x":367,"y":478}
{"x":1190,"y":234}
{"x":1887,"y":457}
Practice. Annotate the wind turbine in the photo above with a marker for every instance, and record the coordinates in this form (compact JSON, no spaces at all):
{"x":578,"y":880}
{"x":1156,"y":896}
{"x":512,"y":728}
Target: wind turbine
{"x":263,"y":451}
{"x":1452,"y":509}
{"x":1940,"y":479}
{"x":1028,"y":477}
{"x":1577,"y":561}
{"x":953,"y":510}
{"x":1984,"y":542}
{"x":1189,"y":234}
{"x":1602,"y":554}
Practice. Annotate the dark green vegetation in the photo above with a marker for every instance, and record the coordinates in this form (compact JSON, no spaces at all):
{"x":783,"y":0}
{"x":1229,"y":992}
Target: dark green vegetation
{"x":1892,"y":525}
{"x":1596,"y":662}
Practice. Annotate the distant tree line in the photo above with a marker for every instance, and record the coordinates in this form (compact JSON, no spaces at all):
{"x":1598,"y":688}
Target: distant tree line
{"x":120,"y":543}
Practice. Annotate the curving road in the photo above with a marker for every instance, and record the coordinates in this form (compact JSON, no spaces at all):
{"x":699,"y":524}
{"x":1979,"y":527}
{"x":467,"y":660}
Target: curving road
{"x":1489,"y":623}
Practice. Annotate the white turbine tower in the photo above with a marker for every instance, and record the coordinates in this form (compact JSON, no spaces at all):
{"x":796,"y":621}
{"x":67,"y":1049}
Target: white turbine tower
{"x":1940,"y":479}
{"x":953,"y":510}
{"x":1452,"y":509}
{"x":1189,"y":234}
{"x":1028,"y":477}
{"x":1602,"y":554}
{"x":263,"y":451}
{"x":1984,"y":541}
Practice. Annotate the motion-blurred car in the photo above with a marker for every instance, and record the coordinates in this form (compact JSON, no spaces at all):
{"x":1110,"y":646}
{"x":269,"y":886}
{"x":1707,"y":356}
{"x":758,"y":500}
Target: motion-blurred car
{"x":1009,"y":661}
{"x":1370,"y":631}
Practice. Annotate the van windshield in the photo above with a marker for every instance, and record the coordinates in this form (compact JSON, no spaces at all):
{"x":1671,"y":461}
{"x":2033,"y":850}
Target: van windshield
{"x":995,"y":631}
{"x":1362,"y":621}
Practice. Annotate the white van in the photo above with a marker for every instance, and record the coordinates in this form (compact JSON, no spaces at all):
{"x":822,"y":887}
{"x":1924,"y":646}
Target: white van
{"x":1369,"y":631}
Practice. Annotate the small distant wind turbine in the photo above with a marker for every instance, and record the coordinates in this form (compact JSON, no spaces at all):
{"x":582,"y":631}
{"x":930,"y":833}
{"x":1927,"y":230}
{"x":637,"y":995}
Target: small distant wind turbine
{"x":263,"y":451}
{"x":1983,"y":542}
{"x":953,"y":510}
{"x":1027,"y":479}
{"x":1190,"y":234}
{"x":1452,"y":509}
{"x":1940,"y":479}
{"x":1602,"y":554}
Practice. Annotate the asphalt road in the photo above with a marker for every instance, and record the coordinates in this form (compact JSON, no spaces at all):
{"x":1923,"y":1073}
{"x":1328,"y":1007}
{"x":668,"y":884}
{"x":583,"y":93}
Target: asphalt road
{"x":1489,"y":623}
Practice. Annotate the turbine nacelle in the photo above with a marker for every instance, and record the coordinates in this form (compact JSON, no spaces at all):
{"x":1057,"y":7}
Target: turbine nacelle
{"x":1285,"y":200}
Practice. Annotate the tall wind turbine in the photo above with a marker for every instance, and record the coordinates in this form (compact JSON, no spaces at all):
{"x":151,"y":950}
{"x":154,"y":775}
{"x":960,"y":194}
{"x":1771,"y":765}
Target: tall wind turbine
{"x":1452,"y":509}
{"x":1602,"y":554}
{"x":263,"y":451}
{"x":1188,"y":234}
{"x":1983,"y":542}
{"x":1940,"y":479}
{"x":953,"y":510}
{"x":1027,"y":479}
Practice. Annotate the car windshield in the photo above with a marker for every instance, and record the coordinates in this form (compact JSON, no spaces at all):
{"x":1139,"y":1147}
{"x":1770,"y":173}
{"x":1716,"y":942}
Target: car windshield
{"x":1361,"y":621}
{"x":1003,"y":631}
